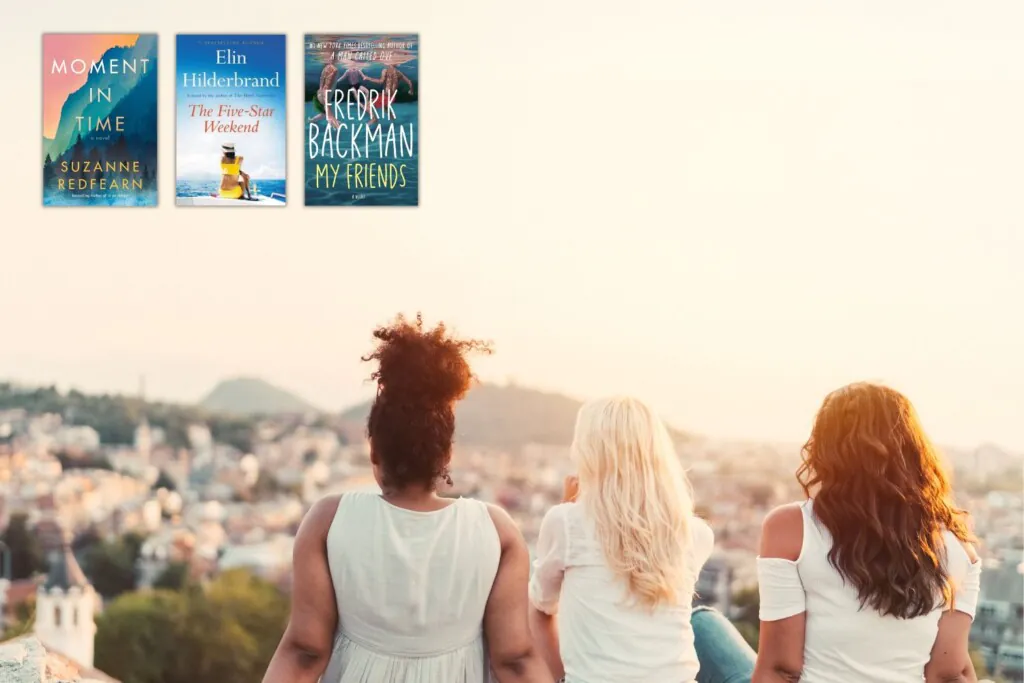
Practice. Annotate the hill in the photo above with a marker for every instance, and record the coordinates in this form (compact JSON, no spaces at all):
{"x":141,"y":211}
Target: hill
{"x":508,"y":417}
{"x":253,"y":396}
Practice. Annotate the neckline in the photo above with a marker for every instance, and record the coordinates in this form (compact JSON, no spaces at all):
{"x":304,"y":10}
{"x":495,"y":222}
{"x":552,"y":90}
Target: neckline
{"x":423,"y":513}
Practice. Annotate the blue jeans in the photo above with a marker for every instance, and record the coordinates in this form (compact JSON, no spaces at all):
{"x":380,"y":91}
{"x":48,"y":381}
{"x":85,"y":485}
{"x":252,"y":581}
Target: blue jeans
{"x":723,"y":654}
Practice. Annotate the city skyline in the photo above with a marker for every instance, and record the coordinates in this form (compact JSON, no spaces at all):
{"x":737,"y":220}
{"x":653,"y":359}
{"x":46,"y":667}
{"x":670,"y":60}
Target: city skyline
{"x":367,"y":390}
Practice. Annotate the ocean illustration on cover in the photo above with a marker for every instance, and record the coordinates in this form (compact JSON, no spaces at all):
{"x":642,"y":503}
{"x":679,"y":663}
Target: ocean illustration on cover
{"x":231,"y":138}
{"x":362,"y":120}
{"x":99,"y":119}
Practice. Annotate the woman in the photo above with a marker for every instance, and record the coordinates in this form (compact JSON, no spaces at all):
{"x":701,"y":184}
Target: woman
{"x":234,"y":182}
{"x":617,"y":564}
{"x":873,"y":577}
{"x":408,"y":586}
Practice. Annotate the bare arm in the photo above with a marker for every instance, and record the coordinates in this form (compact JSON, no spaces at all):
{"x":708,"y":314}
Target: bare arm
{"x":544,"y":628}
{"x":950,"y":660}
{"x":780,"y":655}
{"x":514,"y":659}
{"x":305,"y":648}
{"x":407,"y":81}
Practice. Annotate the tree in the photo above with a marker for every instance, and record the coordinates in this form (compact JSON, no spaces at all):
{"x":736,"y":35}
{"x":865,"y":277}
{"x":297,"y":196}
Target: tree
{"x":225,"y":633}
{"x":23,"y":621}
{"x":747,"y":620}
{"x":137,"y":636}
{"x":175,"y":577}
{"x":26,"y":551}
{"x":111,"y":565}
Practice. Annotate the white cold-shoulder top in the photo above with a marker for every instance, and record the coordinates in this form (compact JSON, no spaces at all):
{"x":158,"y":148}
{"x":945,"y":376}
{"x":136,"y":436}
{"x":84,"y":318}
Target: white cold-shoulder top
{"x":844,"y":642}
{"x":411,"y":590}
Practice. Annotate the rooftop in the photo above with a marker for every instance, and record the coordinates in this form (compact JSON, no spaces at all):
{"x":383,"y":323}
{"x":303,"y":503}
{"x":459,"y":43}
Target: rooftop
{"x":65,"y":572}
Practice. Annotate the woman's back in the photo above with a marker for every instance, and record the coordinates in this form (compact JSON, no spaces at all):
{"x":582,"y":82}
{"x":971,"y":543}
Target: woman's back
{"x":844,"y":642}
{"x":604,"y":635}
{"x":411,"y":590}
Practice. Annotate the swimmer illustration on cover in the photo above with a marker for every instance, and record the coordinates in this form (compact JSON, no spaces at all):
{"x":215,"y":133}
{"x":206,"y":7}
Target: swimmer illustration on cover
{"x":362,"y":127}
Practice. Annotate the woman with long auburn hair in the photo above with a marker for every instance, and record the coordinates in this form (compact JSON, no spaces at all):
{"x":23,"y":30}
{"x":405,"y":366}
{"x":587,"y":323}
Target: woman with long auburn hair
{"x":873,"y":577}
{"x":617,"y":562}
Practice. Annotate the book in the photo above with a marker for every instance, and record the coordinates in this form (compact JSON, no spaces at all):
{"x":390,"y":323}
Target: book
{"x":231,"y":133}
{"x":99,"y":119}
{"x":362,"y":120}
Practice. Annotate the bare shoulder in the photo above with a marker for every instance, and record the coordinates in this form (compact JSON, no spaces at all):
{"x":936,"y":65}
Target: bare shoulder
{"x":782,"y":532}
{"x":508,"y":531}
{"x":318,"y":519}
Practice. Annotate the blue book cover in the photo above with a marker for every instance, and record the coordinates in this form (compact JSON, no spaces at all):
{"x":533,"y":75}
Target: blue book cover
{"x":99,"y":119}
{"x":230,"y":136}
{"x":362,"y":120}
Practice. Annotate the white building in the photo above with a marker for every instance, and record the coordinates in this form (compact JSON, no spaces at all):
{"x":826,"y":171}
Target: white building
{"x":65,"y":609}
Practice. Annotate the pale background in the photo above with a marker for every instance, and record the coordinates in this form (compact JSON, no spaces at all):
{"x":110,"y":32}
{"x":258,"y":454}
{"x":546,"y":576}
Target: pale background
{"x":728,"y":208}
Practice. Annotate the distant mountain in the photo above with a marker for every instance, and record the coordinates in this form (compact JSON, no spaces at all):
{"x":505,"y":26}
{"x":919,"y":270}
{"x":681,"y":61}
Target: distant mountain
{"x":118,"y":85}
{"x":509,"y":416}
{"x":253,"y":396}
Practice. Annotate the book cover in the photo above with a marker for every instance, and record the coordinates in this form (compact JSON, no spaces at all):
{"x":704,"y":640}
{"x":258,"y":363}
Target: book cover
{"x":362,"y":120}
{"x":99,"y":119}
{"x":231,"y":130}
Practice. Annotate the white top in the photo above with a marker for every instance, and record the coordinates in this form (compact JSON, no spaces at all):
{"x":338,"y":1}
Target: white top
{"x":411,"y":590}
{"x":603,"y":637}
{"x":842,"y":642}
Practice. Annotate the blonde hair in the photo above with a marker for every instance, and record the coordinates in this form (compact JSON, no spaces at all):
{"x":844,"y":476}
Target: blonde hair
{"x":635,"y":491}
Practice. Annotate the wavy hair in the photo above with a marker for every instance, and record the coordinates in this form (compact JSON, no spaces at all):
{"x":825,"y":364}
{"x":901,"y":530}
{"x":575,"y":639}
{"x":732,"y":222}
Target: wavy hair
{"x":885,"y":498}
{"x":635,"y":491}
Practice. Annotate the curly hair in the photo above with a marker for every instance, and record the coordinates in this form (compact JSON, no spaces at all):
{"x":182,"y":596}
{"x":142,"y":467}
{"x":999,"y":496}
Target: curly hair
{"x":885,"y":499}
{"x":421,"y":374}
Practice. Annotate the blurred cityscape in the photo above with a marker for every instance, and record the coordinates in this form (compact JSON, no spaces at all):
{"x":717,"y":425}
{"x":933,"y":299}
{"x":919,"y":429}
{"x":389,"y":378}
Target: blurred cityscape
{"x":103,"y":499}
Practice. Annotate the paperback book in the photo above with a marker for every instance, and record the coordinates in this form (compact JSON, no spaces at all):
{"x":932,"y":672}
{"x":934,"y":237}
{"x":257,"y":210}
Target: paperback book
{"x":99,"y":119}
{"x":231,"y":131}
{"x":362,"y":120}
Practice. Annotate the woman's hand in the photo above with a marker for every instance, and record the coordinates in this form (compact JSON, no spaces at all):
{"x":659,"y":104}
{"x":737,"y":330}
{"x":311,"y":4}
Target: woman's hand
{"x":570,"y":489}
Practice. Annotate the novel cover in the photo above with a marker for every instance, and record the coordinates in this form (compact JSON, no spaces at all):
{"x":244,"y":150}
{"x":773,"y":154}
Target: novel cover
{"x":231,"y":130}
{"x":99,"y":119}
{"x":362,"y":120}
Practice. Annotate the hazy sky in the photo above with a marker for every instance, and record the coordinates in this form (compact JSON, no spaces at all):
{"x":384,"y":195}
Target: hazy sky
{"x":727,"y":208}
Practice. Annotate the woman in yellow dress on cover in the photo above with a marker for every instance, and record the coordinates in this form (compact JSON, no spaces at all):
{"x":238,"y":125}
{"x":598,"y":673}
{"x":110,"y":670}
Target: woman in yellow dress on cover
{"x":234,"y":183}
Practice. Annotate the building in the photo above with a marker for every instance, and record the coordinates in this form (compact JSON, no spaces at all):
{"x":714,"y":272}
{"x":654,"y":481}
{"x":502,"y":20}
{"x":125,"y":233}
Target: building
{"x":65,"y":608}
{"x":998,"y":628}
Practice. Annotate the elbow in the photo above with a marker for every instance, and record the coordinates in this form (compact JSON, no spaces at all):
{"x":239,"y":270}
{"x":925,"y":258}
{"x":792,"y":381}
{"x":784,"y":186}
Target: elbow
{"x":306,"y":656}
{"x":514,"y":665}
{"x":777,"y":672}
{"x":947,"y":677}
{"x":789,"y":674}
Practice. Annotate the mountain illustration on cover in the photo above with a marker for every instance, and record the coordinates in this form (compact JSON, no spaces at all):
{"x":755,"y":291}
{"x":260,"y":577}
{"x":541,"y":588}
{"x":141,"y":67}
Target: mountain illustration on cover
{"x":99,"y":119}
{"x":230,"y":133}
{"x":362,"y":120}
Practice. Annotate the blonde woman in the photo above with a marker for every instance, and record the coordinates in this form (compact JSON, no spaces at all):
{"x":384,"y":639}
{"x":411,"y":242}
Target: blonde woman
{"x":617,"y":563}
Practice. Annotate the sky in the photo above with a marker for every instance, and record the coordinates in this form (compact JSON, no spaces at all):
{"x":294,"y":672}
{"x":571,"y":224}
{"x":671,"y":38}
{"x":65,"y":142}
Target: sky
{"x":66,"y":48}
{"x":198,"y":151}
{"x":726,"y":210}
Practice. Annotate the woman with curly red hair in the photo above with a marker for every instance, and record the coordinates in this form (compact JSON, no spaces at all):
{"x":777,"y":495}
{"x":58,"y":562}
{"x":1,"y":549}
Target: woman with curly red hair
{"x":873,"y":577}
{"x":407,"y":586}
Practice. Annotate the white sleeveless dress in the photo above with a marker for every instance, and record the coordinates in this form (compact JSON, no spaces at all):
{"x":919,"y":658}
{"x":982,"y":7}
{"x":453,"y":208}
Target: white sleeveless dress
{"x":411,"y":590}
